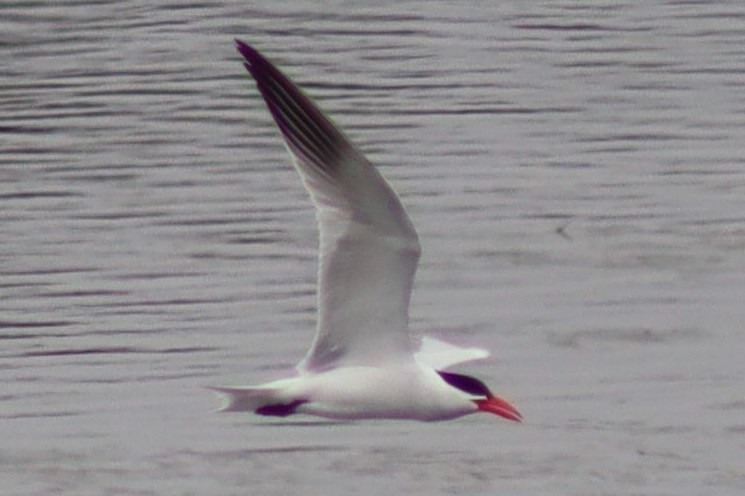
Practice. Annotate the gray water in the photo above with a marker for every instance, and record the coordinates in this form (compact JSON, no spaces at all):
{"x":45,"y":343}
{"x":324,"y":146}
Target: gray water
{"x":576,"y":173}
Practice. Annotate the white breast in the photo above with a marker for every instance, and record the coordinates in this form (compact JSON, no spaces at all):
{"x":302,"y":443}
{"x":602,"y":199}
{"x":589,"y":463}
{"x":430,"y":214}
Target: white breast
{"x":407,"y":391}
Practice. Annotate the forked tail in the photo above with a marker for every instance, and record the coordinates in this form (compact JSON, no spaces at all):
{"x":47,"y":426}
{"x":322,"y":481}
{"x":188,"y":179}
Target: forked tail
{"x":258,"y":399}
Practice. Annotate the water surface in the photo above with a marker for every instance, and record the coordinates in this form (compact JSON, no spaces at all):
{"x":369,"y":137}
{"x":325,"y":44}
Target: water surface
{"x":575,"y":171}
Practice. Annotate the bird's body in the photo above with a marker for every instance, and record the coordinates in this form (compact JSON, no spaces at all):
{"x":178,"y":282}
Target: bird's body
{"x":363,"y":363}
{"x":397,"y":390}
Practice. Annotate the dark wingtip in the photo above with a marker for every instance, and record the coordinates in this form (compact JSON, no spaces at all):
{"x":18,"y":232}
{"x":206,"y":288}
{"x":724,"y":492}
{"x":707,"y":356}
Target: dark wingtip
{"x":250,"y":54}
{"x":241,"y":45}
{"x":310,"y":134}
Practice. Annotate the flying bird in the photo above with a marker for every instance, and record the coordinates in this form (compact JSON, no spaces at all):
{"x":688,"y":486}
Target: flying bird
{"x":363,"y":363}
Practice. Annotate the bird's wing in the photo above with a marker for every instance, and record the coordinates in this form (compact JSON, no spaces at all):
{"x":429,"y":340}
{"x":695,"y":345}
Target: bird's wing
{"x":369,"y":248}
{"x":440,"y":355}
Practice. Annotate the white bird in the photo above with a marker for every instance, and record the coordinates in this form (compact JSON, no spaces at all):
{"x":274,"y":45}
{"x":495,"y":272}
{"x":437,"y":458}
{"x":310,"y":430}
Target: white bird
{"x":363,"y":363}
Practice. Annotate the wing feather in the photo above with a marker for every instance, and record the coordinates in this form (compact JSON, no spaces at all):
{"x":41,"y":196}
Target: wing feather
{"x":441,"y":355}
{"x":369,"y":249}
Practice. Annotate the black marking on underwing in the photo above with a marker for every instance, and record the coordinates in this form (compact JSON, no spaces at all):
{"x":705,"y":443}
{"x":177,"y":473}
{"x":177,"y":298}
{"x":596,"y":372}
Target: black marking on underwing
{"x":280,"y":409}
{"x":466,"y":383}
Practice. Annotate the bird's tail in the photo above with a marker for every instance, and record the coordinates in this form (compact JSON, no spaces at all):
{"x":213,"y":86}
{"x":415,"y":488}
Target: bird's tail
{"x":246,"y":398}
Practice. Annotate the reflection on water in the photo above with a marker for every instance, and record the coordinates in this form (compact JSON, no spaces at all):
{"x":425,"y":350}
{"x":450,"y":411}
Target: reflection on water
{"x":575,"y":172}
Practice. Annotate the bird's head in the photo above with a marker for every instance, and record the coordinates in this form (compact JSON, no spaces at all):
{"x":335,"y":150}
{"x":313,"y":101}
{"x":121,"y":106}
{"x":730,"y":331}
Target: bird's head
{"x":487,"y":401}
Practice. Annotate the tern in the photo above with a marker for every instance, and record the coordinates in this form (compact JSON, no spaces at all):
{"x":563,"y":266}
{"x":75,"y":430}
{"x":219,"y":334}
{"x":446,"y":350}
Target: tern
{"x":364,"y":363}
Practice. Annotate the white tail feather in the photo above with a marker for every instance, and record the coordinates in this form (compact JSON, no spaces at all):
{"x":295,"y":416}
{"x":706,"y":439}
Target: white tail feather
{"x":246,"y":399}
